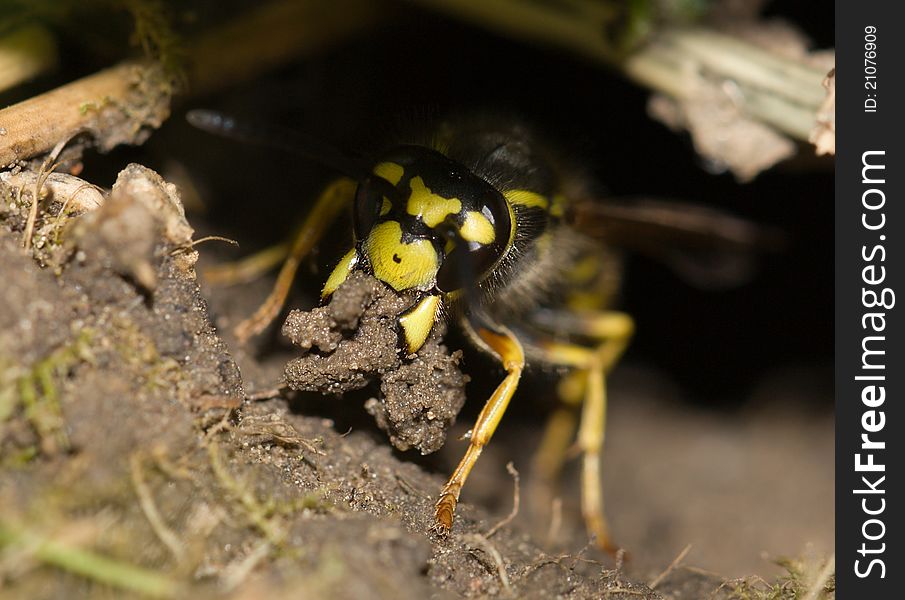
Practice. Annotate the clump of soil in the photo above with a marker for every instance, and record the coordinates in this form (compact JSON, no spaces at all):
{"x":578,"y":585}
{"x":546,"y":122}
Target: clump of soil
{"x":354,"y":340}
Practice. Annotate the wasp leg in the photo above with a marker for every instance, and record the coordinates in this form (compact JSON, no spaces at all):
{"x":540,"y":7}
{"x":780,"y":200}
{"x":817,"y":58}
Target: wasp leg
{"x":330,"y":203}
{"x":249,"y":268}
{"x":613,"y":330}
{"x":503,"y":344}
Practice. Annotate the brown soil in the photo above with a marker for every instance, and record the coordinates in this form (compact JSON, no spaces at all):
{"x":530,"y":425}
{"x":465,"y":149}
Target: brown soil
{"x":131,"y":461}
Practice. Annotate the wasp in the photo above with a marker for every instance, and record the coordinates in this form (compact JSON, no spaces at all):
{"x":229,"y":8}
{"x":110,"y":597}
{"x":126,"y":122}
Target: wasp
{"x":482,"y":224}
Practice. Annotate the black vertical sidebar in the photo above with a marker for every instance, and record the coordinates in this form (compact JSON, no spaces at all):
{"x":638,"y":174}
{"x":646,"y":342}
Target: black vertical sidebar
{"x":870,"y":363}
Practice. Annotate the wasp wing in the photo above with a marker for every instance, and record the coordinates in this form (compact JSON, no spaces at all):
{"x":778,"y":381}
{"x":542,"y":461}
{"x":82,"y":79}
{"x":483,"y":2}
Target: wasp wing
{"x":707,"y":247}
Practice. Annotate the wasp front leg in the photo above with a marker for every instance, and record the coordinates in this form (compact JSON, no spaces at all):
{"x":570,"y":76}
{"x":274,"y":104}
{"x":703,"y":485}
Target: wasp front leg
{"x":333,"y":200}
{"x":500,"y":342}
{"x":590,"y":364}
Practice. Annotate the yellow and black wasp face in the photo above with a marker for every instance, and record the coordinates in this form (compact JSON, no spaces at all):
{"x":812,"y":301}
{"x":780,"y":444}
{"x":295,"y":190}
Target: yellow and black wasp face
{"x":426,"y":222}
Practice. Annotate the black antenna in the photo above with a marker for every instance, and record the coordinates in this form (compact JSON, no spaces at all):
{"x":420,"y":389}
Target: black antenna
{"x":287,"y":140}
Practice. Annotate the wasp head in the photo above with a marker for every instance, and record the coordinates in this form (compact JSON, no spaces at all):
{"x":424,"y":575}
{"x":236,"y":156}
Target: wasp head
{"x":426,"y":222}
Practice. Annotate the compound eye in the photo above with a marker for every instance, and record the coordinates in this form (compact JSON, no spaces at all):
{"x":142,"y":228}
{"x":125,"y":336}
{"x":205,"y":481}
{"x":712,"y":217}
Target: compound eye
{"x":471,"y":261}
{"x":467,"y":265}
{"x":368,"y":203}
{"x":498,"y":211}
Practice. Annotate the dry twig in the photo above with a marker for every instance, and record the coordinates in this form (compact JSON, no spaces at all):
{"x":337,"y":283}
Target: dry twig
{"x":47,"y":167}
{"x":237,"y":573}
{"x":515,"y":501}
{"x":149,"y":508}
{"x":819,"y":583}
{"x":274,"y":392}
{"x":117,"y":106}
{"x":675,"y":563}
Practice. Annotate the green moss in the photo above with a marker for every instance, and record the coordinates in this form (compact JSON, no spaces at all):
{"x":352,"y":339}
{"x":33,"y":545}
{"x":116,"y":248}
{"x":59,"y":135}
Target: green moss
{"x":157,"y":38}
{"x":794,"y":585}
{"x":86,"y":107}
{"x":34,"y":391}
{"x":141,"y":354}
{"x":257,"y":512}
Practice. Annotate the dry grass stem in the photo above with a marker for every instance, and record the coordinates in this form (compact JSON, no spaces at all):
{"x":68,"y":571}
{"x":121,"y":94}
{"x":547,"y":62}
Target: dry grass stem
{"x":675,"y":563}
{"x":515,"y":501}
{"x":149,"y":508}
